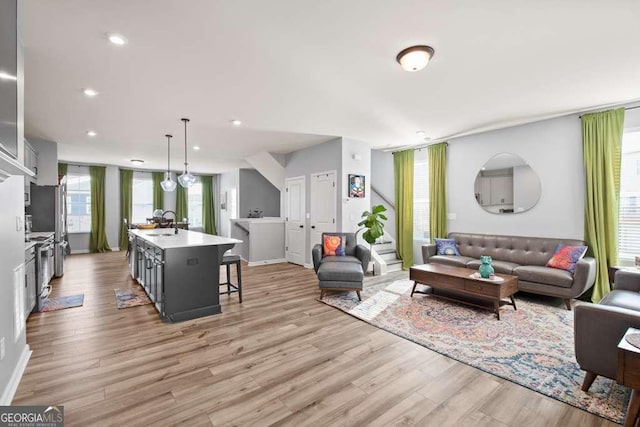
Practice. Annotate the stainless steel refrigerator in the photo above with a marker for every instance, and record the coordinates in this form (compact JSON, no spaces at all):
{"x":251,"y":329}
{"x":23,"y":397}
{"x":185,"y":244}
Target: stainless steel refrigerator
{"x":48,"y":210}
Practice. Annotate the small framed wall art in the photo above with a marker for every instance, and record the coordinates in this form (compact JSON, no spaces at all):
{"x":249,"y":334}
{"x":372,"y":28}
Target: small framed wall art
{"x":356,"y":186}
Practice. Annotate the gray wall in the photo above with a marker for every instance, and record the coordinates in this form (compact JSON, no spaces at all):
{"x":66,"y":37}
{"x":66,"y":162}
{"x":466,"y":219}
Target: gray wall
{"x":257,"y":193}
{"x":382,"y":178}
{"x":317,"y":158}
{"x":553,"y":149}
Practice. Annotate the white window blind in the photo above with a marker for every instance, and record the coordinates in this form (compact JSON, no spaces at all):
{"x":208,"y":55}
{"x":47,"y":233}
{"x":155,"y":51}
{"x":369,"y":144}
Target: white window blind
{"x":78,"y":202}
{"x":141,"y":198}
{"x":629,"y":213}
{"x":195,"y":205}
{"x":421,"y":195}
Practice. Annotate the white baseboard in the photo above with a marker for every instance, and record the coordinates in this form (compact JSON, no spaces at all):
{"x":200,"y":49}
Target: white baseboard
{"x":310,"y":266}
{"x":79,"y":251}
{"x":267,"y":261}
{"x":14,"y":381}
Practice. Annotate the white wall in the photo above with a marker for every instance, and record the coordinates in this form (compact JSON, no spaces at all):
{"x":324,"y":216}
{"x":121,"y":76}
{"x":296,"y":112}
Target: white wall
{"x":383,"y":178}
{"x":229,"y":184}
{"x":12,"y":206}
{"x":553,"y":149}
{"x":352,"y":208}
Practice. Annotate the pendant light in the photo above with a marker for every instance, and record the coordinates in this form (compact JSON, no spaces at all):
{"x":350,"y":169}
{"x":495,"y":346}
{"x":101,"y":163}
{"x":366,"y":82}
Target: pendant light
{"x":186,"y":179}
{"x":168,"y":184}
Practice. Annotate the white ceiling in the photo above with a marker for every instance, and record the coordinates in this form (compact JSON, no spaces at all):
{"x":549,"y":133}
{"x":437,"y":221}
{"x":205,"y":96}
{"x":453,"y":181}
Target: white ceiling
{"x":298,"y":71}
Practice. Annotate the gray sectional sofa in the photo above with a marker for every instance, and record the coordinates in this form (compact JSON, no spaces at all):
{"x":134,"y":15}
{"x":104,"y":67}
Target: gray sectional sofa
{"x":521,"y":256}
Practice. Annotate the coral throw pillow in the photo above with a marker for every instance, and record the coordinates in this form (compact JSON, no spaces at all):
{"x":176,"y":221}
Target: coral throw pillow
{"x":566,"y":257}
{"x":446,"y":247}
{"x":334,"y":246}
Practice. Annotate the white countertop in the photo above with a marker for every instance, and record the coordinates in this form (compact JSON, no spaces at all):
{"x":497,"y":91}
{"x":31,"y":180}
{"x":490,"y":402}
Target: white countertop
{"x":184,"y":238}
{"x":35,"y":235}
{"x":265,"y":220}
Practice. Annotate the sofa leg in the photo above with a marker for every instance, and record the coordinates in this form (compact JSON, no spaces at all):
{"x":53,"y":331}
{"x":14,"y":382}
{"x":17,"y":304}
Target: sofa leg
{"x":359,"y":297}
{"x":567,"y":302}
{"x":589,"y":378}
{"x":321,"y":293}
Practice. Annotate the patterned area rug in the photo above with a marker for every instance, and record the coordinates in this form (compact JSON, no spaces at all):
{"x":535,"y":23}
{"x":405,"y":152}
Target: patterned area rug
{"x":532,"y":346}
{"x":126,"y":298}
{"x":60,"y":303}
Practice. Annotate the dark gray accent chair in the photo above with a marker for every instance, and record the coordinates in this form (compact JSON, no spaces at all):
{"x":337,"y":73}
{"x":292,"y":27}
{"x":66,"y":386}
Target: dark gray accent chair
{"x":521,"y":256}
{"x":341,"y":273}
{"x":599,"y":327}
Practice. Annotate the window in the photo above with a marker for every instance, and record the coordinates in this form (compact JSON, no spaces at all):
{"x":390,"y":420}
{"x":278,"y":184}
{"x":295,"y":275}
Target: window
{"x":421,"y":195}
{"x":78,"y":202}
{"x":141,"y":198}
{"x":195,"y":205}
{"x":629,"y":214}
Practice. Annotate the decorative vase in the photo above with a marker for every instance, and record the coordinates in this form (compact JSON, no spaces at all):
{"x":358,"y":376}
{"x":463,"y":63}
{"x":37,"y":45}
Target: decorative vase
{"x":485,"y":269}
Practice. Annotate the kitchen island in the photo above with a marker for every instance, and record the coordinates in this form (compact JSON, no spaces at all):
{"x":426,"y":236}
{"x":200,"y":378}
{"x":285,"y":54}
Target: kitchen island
{"x":180,"y":272}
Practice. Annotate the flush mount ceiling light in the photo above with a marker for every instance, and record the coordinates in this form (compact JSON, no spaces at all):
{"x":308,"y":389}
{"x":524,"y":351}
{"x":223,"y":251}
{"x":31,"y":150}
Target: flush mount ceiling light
{"x":91,"y":133}
{"x":236,"y":122}
{"x":186,"y":179}
{"x":117,"y":39}
{"x":415,"y":58}
{"x":168,"y":184}
{"x":6,"y":76}
{"x":90,"y":92}
{"x":137,"y":162}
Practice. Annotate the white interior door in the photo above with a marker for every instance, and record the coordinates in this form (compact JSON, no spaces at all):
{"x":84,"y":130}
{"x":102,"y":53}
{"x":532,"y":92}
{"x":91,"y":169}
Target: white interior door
{"x":295,"y":220}
{"x":323,"y":205}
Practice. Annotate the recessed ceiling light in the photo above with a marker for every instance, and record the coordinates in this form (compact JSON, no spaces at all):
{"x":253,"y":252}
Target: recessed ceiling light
{"x":90,"y":92}
{"x":92,"y":133}
{"x":236,"y":122}
{"x":195,"y":147}
{"x":117,"y":39}
{"x":421,"y":133}
{"x":137,"y":162}
{"x":415,"y":58}
{"x":6,"y":76}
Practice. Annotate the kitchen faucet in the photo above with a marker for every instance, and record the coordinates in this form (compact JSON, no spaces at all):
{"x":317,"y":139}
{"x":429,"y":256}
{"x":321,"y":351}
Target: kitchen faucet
{"x":175,"y":222}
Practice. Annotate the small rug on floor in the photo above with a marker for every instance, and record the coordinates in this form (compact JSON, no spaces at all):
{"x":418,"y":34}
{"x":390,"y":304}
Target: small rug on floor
{"x":60,"y":303}
{"x":126,"y":298}
{"x":532,"y":346}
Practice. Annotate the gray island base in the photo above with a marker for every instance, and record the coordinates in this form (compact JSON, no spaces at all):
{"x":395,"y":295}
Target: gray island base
{"x":179,"y":272}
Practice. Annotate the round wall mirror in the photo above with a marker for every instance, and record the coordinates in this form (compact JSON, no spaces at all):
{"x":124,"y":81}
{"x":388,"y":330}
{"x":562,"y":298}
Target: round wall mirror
{"x":506,"y":184}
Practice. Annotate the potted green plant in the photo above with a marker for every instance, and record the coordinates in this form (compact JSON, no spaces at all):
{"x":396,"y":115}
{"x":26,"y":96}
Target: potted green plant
{"x":373,"y":224}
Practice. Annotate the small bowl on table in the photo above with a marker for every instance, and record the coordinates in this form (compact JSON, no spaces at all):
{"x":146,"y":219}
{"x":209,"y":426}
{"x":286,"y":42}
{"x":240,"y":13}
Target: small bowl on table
{"x":146,"y":226}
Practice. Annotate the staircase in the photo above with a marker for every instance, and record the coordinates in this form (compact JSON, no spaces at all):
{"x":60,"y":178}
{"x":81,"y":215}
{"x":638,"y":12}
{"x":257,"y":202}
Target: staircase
{"x":384,"y":256}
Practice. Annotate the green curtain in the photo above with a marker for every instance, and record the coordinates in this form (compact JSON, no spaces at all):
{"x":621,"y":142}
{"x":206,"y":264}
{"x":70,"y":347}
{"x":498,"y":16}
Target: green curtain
{"x":208,"y":213}
{"x":403,"y":171}
{"x":98,"y":238}
{"x":62,"y":169}
{"x":126,"y":187}
{"x":182,"y":203}
{"x":601,"y":144}
{"x":158,"y":192}
{"x":437,"y":190}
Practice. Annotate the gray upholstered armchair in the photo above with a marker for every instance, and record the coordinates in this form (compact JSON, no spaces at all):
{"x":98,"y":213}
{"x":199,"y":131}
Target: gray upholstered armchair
{"x":341,"y":272}
{"x":599,"y":327}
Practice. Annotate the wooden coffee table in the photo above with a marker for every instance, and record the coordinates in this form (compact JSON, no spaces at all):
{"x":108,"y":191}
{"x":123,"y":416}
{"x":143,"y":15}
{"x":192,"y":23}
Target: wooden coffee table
{"x":459,"y":286}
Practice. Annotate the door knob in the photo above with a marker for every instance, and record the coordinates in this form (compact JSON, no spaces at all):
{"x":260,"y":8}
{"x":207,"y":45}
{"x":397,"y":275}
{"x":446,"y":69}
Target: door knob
{"x":302,"y":226}
{"x":313,"y":226}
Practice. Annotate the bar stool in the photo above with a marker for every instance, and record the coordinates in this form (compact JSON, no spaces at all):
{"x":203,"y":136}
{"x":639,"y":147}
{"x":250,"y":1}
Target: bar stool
{"x":227,"y":261}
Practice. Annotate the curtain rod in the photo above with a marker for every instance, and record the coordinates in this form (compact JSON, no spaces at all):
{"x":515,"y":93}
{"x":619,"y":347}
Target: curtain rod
{"x":625,"y":109}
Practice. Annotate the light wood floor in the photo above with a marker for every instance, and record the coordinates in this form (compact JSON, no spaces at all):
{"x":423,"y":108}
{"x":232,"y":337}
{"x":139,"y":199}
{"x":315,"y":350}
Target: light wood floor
{"x":280,"y":358}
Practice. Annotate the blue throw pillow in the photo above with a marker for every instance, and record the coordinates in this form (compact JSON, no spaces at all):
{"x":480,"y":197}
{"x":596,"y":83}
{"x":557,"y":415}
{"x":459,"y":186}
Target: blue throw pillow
{"x":446,"y":247}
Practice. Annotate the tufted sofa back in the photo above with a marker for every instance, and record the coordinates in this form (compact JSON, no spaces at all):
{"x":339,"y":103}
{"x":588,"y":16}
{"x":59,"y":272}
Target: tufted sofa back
{"x":518,"y":249}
